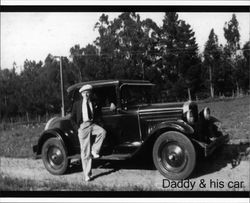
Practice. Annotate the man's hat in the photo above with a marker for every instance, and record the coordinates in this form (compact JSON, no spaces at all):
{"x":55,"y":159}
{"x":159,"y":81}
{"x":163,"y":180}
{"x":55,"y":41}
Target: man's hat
{"x":85,"y":88}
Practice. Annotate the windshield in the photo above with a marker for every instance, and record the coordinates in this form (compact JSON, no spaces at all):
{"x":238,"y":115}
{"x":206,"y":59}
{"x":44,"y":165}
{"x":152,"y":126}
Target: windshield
{"x":135,"y":95}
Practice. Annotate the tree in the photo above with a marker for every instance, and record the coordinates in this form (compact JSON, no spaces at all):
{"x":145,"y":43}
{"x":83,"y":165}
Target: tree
{"x":244,"y":65}
{"x":107,"y":43}
{"x":9,"y":93}
{"x":179,"y":52}
{"x":127,"y":45}
{"x":129,"y":48}
{"x":232,"y":35}
{"x":76,"y":55}
{"x":246,"y":52}
{"x":91,"y":63}
{"x":31,"y":93}
{"x":151,"y":59}
{"x":212,"y":58}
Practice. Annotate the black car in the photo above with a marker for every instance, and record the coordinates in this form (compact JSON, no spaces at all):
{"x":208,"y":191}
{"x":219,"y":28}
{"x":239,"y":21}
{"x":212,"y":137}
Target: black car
{"x":172,"y":133}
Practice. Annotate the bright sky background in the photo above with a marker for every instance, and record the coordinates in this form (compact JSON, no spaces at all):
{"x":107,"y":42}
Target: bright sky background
{"x":34,"y":35}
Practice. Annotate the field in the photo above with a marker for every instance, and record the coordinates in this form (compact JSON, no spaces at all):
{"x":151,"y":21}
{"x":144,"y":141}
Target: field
{"x":17,"y":141}
{"x":234,"y":114}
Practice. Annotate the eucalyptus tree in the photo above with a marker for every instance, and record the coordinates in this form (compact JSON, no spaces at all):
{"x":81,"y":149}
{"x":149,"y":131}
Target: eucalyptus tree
{"x":126,"y":45}
{"x":107,"y":43}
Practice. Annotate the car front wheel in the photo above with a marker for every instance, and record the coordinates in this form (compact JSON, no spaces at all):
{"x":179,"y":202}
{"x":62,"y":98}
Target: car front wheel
{"x":54,"y":156}
{"x":174,"y":155}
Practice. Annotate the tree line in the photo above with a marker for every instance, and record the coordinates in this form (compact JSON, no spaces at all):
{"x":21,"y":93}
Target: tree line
{"x":131,"y":48}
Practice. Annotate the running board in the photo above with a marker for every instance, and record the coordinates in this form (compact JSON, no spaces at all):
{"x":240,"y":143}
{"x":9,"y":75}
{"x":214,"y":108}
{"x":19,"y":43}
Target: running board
{"x":131,"y":144}
{"x":115,"y":157}
{"x":106,"y":157}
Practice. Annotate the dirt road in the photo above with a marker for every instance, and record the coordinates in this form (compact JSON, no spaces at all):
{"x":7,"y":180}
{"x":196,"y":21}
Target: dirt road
{"x":214,"y":174}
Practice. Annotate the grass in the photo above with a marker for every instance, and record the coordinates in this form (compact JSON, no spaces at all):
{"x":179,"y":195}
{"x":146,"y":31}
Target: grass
{"x":17,"y":184}
{"x":234,"y":114}
{"x":18,"y":141}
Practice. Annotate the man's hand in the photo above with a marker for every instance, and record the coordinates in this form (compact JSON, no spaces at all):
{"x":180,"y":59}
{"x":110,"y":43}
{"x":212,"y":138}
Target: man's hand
{"x":112,"y":107}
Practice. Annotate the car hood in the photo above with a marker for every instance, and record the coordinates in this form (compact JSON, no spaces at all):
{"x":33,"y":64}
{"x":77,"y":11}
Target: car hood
{"x":163,"y":112}
{"x":159,"y":107}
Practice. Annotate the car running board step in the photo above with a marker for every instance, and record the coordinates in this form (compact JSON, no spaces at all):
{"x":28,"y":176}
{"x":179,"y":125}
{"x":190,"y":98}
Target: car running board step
{"x":115,"y":157}
{"x":106,"y":157}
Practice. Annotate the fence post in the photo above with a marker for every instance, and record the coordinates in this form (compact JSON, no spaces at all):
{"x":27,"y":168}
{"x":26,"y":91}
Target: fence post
{"x":27,"y":117}
{"x":189,"y":95}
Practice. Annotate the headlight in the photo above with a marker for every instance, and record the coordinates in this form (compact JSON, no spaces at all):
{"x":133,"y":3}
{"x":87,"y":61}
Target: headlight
{"x":190,"y":112}
{"x":190,"y":117}
{"x":206,"y":113}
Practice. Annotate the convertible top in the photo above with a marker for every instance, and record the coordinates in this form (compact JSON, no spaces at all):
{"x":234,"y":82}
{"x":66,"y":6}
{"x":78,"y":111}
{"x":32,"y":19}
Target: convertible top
{"x":100,"y":83}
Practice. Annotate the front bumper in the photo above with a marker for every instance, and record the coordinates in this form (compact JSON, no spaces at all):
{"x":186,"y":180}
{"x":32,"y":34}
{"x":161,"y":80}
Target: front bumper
{"x":211,"y":135}
{"x":219,"y":141}
{"x":209,"y":148}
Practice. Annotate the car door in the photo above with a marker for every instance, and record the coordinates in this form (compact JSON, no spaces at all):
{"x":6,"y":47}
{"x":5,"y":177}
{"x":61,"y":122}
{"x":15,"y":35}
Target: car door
{"x":128,"y":114}
{"x":109,"y":118}
{"x":121,"y":125}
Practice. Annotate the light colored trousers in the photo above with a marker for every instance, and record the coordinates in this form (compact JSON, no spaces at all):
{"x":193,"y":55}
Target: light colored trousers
{"x":84,"y":134}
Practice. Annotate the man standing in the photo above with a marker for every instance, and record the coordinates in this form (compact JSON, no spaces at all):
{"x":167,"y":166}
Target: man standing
{"x":83,"y":115}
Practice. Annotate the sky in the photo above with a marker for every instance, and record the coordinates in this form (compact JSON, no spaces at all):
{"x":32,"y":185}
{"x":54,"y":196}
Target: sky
{"x":33,"y":36}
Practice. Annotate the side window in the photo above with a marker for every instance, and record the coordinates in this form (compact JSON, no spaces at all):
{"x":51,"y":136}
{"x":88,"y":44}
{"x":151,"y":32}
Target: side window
{"x":105,"y":96}
{"x":135,"y":95}
{"x":130,"y":95}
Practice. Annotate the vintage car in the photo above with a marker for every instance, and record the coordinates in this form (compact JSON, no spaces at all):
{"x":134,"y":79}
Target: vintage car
{"x":173,"y":134}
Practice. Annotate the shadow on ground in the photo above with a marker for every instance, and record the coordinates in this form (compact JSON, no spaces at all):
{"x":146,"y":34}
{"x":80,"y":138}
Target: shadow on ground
{"x":231,"y":154}
{"x":138,"y":162}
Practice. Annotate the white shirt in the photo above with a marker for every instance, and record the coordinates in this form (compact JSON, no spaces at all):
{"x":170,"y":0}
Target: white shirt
{"x":85,"y":116}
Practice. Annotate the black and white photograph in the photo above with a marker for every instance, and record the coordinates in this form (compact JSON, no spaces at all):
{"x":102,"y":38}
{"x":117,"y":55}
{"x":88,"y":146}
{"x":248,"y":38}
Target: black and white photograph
{"x":125,"y":100}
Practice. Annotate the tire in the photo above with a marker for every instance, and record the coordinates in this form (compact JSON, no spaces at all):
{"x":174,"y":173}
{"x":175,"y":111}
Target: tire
{"x":54,"y":155}
{"x":174,"y":155}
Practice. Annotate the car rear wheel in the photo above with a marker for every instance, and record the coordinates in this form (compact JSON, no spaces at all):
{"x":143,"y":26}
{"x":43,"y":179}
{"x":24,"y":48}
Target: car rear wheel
{"x":54,"y":156}
{"x":174,"y":155}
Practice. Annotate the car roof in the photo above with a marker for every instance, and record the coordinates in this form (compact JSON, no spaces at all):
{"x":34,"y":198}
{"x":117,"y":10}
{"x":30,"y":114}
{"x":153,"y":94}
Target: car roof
{"x":101,"y":83}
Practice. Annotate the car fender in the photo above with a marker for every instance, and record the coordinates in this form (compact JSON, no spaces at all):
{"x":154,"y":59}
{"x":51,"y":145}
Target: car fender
{"x":180,"y":126}
{"x":162,"y":127}
{"x":49,"y":134}
{"x":50,"y":123}
{"x":214,"y":120}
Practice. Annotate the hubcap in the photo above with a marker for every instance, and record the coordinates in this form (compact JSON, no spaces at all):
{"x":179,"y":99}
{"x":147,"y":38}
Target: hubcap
{"x":55,"y":157}
{"x":172,"y":157}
